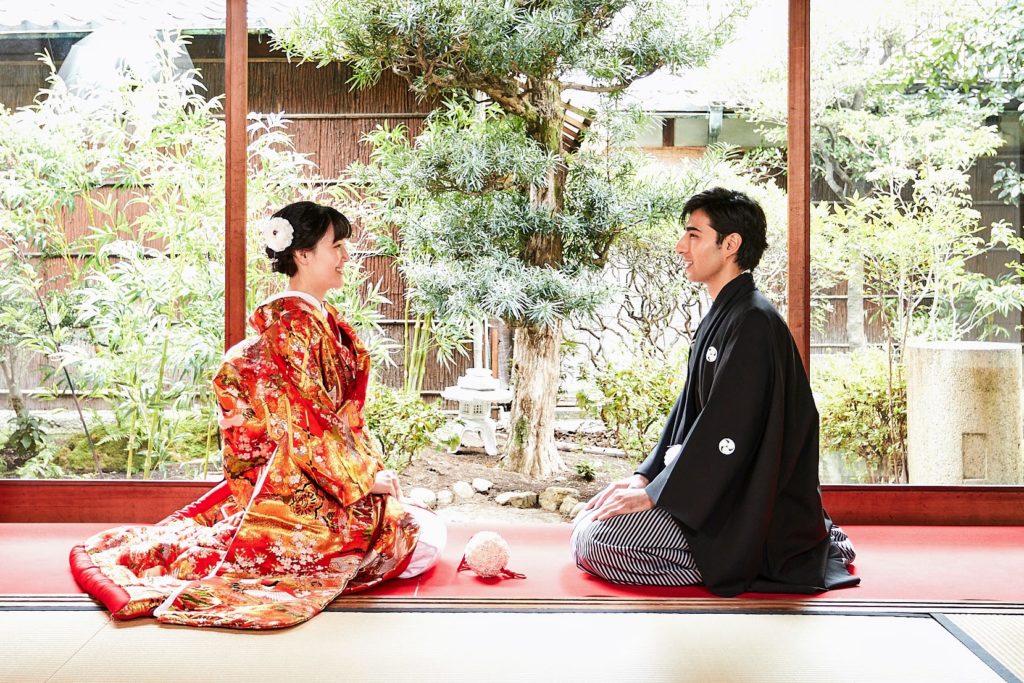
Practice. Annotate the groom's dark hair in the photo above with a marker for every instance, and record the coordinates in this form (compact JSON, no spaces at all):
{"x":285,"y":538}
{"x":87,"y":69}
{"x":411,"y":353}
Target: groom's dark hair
{"x":730,"y":211}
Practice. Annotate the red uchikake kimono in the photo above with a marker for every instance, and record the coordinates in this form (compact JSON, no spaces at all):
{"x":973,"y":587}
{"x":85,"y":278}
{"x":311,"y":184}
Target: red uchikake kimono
{"x":293,"y":525}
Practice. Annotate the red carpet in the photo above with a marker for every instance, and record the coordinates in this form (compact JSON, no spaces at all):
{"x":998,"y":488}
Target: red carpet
{"x":894,"y":562}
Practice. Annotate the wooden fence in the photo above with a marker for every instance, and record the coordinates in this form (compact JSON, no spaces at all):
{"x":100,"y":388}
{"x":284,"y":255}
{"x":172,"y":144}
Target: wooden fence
{"x":328,"y":120}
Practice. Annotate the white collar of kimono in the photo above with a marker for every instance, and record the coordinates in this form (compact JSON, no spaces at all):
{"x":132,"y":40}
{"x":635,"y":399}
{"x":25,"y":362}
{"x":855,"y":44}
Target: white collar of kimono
{"x":308,"y":298}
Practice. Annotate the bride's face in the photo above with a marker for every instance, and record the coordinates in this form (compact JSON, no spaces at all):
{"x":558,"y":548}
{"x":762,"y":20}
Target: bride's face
{"x":324,"y":264}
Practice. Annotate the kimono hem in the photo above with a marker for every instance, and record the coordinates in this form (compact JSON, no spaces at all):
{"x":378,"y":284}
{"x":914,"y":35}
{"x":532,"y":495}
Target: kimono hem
{"x":294,"y":524}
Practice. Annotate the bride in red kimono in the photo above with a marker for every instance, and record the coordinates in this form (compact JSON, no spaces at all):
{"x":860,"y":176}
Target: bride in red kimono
{"x":307,"y":511}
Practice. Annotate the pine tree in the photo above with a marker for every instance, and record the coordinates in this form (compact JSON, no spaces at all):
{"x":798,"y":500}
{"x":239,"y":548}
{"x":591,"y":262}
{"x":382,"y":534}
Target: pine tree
{"x":497,"y":215}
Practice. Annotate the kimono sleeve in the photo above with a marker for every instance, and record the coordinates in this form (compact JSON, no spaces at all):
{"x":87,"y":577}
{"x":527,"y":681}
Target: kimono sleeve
{"x":655,"y":462}
{"x":319,"y":437}
{"x":727,"y":434}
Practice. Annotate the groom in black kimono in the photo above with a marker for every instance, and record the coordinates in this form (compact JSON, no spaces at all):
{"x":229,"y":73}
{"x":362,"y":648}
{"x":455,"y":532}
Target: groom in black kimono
{"x":729,"y":497}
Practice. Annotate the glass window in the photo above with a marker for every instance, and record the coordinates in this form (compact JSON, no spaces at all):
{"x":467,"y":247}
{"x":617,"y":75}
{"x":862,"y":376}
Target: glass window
{"x":111,"y":312}
{"x":691,"y":131}
{"x":909,"y":268}
{"x":114,"y":227}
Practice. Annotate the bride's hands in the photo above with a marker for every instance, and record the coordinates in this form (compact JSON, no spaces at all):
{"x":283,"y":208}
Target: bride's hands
{"x":386,"y":483}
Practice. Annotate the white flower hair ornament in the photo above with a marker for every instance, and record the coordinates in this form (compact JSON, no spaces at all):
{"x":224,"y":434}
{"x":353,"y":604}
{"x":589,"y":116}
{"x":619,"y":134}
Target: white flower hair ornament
{"x":277,"y":233}
{"x":487,"y":554}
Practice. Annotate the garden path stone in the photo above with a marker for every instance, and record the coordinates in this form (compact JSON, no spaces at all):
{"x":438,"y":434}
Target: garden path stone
{"x":517,"y":499}
{"x":445,"y":497}
{"x":569,"y":504}
{"x":553,"y":496}
{"x":424,"y":497}
{"x":463,"y":490}
{"x":481,"y":485}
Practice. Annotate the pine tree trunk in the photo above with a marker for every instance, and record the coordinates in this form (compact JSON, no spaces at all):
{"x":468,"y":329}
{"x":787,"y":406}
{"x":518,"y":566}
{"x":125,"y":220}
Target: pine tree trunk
{"x":536,"y":354}
{"x":505,"y":344}
{"x":531,"y":444}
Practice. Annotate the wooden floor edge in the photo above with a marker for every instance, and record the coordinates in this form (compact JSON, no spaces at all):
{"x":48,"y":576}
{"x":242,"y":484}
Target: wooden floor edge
{"x":78,"y":601}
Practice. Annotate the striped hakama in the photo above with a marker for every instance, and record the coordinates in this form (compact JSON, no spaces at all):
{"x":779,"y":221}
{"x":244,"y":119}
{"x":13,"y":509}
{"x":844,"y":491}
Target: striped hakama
{"x":649,"y":549}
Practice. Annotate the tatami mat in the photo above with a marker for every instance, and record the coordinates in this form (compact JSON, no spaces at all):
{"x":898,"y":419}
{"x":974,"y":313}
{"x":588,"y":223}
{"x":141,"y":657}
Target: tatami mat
{"x":1001,"y":636}
{"x":454,"y":647}
{"x":34,"y":645}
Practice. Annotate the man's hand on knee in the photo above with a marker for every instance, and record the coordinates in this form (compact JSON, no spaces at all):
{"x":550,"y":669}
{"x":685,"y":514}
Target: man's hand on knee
{"x":637,"y":481}
{"x":623,"y":501}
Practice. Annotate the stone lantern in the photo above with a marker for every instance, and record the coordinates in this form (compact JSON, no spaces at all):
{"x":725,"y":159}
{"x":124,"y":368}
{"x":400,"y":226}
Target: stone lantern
{"x":475,"y":392}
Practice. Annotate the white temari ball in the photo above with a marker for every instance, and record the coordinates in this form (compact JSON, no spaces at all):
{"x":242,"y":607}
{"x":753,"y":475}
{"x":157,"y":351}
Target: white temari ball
{"x":487,"y":553}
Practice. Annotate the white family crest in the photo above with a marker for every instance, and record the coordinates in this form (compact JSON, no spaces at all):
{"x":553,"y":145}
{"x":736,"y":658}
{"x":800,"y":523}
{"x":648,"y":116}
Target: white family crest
{"x":712,"y":355}
{"x":726,"y":446}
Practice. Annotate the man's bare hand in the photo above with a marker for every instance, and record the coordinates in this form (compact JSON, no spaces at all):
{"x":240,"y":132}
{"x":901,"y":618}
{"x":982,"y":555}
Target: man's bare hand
{"x":637,"y":481}
{"x":624,"y":501}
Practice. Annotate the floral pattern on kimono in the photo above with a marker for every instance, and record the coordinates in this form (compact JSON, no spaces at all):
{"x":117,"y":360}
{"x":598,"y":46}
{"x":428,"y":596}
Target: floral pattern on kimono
{"x":294,"y":524}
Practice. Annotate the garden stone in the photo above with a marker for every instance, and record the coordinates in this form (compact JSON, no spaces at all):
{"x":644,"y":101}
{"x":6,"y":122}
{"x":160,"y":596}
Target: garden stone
{"x":504,"y":498}
{"x":463,"y":490}
{"x":576,"y":510}
{"x":424,"y":497}
{"x":572,"y":425}
{"x":517,"y":499}
{"x":525,"y":499}
{"x":975,"y":388}
{"x":569,"y":504}
{"x":444,"y":497}
{"x":482,"y":485}
{"x":553,"y":496}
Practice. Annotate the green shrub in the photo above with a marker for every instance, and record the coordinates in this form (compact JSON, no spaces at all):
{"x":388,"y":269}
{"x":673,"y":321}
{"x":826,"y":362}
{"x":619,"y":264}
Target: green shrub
{"x":112,"y":448}
{"x":585,"y":470}
{"x":402,"y":422}
{"x":22,"y":444}
{"x":633,"y":401}
{"x":42,"y":466}
{"x":183,"y":440}
{"x":133,"y":326}
{"x":191,"y":448}
{"x":863,"y":420}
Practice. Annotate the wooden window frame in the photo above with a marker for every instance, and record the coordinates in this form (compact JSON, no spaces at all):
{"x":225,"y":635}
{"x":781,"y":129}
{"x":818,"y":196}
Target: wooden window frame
{"x":147,"y":501}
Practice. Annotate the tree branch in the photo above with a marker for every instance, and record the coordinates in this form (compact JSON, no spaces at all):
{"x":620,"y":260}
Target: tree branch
{"x":622,"y":85}
{"x":499,"y":185}
{"x":512,"y":103}
{"x":582,"y":87}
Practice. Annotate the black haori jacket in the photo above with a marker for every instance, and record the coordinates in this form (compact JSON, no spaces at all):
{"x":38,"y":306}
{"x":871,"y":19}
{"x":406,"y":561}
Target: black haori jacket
{"x":744,"y":487}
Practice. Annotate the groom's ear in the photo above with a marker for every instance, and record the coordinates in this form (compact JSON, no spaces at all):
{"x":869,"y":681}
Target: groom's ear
{"x":731,"y":244}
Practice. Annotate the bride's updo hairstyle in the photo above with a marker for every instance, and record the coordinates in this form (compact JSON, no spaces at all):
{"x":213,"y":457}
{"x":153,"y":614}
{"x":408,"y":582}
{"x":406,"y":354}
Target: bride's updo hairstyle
{"x":309,"y":221}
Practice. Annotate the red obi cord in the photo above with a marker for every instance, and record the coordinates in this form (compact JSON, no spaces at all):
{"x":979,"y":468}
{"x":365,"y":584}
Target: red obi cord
{"x":502,"y":573}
